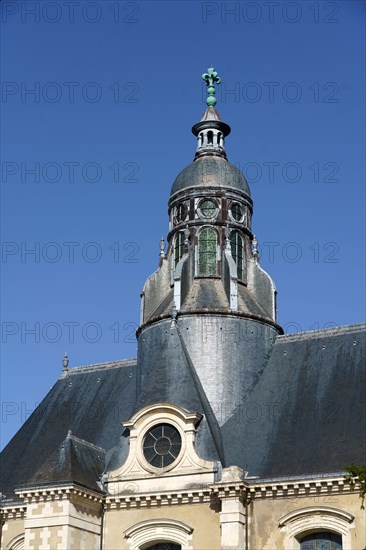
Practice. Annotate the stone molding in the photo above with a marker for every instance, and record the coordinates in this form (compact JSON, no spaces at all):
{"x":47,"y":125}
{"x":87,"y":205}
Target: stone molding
{"x":12,"y":512}
{"x":157,"y":530}
{"x":206,"y":492}
{"x":297,"y":514}
{"x":17,"y":543}
{"x":290,"y":487}
{"x":43,"y":494}
{"x":141,"y":476}
{"x":156,"y":500}
{"x":303,"y":521}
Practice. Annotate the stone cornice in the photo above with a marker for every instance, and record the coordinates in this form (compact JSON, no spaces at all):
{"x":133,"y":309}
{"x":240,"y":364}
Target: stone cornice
{"x":158,"y":499}
{"x":12,"y":511}
{"x":245,"y":490}
{"x":284,"y":488}
{"x":64,"y":492}
{"x":209,"y":190}
{"x":111,"y":502}
{"x":212,"y":312}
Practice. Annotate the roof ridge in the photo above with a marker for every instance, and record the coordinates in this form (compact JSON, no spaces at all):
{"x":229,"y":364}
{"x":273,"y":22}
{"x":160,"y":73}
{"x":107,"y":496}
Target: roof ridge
{"x":316,"y":475}
{"x":331,"y":331}
{"x":212,"y":423}
{"x":99,"y":366}
{"x":84,"y":442}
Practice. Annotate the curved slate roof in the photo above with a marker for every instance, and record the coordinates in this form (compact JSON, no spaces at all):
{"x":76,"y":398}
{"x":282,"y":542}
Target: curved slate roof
{"x":305,"y":415}
{"x":90,"y":401}
{"x":210,"y":292}
{"x":211,"y":171}
{"x":74,"y":461}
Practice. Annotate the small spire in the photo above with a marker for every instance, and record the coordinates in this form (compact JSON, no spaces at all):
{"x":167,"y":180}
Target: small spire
{"x":227,"y":238}
{"x":210,"y":78}
{"x":186,"y":235}
{"x":162,"y":248}
{"x":174,"y":316}
{"x":65,"y":361}
{"x":210,"y":130}
{"x":255,"y":248}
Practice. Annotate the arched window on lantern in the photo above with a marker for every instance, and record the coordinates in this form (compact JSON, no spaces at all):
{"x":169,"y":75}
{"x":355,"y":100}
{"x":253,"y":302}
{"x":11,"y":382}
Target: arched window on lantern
{"x":207,"y":245}
{"x":237,"y":252}
{"x":178,"y":247}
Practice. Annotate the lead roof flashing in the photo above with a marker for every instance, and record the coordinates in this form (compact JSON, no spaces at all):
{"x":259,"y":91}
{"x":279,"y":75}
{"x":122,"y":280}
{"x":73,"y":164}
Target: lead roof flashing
{"x":99,"y":367}
{"x":84,"y":442}
{"x":323,"y":333}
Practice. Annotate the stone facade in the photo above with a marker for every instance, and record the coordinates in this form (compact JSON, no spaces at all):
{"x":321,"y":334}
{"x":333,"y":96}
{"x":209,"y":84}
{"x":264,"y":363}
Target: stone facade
{"x":226,"y":515}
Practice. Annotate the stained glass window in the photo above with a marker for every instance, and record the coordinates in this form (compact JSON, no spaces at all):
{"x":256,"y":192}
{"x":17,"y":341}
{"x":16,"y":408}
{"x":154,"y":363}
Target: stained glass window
{"x":162,"y":445}
{"x":178,"y":247}
{"x":237,"y":251}
{"x":207,"y":242}
{"x":165,"y":546}
{"x":321,"y":541}
{"x":208,"y":209}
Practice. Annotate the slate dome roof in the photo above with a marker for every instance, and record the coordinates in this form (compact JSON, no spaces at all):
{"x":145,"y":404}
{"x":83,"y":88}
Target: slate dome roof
{"x":211,"y":171}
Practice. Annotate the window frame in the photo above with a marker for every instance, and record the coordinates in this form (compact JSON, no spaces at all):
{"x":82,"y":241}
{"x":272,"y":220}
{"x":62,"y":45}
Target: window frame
{"x":17,"y":543}
{"x":317,"y":532}
{"x":304,"y":521}
{"x":179,"y":240}
{"x":177,"y":218}
{"x":146,"y":533}
{"x":235,"y":255}
{"x":199,"y":273}
{"x":199,"y":208}
{"x":148,"y":432}
{"x":242,"y":209}
{"x":153,"y":546}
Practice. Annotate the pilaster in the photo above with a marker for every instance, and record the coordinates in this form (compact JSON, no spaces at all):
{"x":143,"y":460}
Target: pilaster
{"x":64,"y":518}
{"x":232,"y":521}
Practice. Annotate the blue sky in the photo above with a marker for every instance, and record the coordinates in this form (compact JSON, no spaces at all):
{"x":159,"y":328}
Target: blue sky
{"x":88,"y":159}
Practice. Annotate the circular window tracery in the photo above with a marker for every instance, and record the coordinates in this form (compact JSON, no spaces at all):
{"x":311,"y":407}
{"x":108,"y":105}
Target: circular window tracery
{"x":162,"y":445}
{"x":207,"y":209}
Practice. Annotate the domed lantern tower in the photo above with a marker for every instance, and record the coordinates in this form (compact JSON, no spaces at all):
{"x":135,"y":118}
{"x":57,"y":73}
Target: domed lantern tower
{"x":209,"y":300}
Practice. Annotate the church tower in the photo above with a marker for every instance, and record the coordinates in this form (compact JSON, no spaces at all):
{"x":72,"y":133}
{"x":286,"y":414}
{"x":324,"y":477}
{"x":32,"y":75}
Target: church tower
{"x":209,"y":300}
{"x":224,"y":433}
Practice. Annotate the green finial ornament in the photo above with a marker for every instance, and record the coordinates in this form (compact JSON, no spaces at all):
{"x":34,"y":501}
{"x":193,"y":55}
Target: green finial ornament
{"x":210,"y":78}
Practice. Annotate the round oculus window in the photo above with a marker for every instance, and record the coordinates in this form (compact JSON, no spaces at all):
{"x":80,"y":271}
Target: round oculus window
{"x":162,"y":445}
{"x":236,"y":211}
{"x":208,"y":209}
